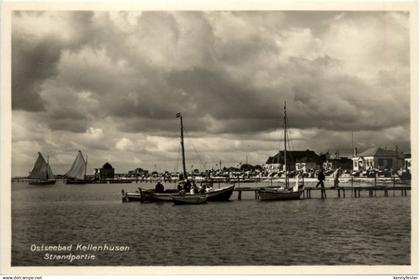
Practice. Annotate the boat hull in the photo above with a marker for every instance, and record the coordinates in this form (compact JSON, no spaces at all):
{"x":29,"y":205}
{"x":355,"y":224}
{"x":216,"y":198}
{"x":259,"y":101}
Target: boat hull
{"x":149,"y":196}
{"x":129,"y":197}
{"x":42,"y":182}
{"x":189,"y":199}
{"x":76,"y":182}
{"x":220,"y":194}
{"x":223,"y":194}
{"x":279,"y":194}
{"x":165,"y":197}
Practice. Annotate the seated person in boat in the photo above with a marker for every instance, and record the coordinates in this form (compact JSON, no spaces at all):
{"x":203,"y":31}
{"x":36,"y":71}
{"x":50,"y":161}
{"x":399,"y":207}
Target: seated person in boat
{"x":184,"y":186}
{"x":194,"y":186}
{"x":187,"y":185}
{"x":159,"y":187}
{"x":202,"y":188}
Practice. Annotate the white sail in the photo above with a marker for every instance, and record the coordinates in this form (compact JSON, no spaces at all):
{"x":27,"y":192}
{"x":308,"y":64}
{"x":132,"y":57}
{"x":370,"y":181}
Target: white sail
{"x":78,"y":169}
{"x":41,"y":170}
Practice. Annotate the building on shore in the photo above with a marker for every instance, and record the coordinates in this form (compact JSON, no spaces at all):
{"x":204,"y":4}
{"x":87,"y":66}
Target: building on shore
{"x":138,"y":172}
{"x":379,"y":159}
{"x":107,"y":171}
{"x":296,"y":160}
{"x":343,"y":162}
{"x":407,"y":161}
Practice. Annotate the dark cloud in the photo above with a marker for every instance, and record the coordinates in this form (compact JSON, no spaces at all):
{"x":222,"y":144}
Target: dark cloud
{"x":35,"y":59}
{"x":68,"y":124}
{"x":113,"y":81}
{"x":32,"y":64}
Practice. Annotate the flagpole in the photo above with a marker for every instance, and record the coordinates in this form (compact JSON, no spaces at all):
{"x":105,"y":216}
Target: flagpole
{"x":182,"y":146}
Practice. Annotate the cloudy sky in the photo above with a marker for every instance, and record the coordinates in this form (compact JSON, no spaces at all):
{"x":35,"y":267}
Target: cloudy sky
{"x":110,"y":84}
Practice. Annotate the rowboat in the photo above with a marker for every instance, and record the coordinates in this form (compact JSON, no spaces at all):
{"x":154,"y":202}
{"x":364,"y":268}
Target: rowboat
{"x":189,"y":199}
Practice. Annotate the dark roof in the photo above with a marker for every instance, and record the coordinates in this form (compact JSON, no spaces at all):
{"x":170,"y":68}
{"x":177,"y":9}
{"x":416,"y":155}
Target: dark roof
{"x":107,"y":166}
{"x":295,"y":156}
{"x":377,"y":152}
{"x":341,"y":160}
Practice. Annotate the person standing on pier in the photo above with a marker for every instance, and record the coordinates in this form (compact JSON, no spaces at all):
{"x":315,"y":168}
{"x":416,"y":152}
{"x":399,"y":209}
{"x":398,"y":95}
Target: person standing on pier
{"x":321,"y":178}
{"x":336,"y":174}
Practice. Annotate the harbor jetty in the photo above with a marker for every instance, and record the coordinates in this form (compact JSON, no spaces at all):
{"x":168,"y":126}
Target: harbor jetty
{"x":341,"y":191}
{"x":350,"y":187}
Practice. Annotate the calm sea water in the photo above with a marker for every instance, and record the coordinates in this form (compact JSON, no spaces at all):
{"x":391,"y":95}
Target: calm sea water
{"x":350,"y":231}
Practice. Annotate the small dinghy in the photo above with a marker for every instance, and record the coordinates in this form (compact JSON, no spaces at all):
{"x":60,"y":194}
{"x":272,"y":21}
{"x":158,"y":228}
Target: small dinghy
{"x":189,"y":199}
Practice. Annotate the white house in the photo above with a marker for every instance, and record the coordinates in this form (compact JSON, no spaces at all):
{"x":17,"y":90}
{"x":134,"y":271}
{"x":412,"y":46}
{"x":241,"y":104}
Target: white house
{"x":378,"y":158}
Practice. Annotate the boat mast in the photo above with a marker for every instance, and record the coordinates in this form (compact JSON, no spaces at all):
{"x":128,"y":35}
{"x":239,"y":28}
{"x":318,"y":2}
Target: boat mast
{"x":86,"y":165}
{"x":48,"y":165}
{"x":285,"y":145}
{"x":184,"y":170}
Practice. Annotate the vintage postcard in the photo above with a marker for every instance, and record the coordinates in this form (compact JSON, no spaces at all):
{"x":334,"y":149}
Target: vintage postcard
{"x":209,"y":139}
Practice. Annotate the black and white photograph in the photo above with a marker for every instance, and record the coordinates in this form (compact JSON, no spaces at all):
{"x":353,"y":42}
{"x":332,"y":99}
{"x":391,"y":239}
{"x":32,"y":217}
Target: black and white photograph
{"x":210,"y":138}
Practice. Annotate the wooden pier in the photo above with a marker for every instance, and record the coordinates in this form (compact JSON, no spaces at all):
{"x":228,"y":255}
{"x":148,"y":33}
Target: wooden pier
{"x":341,"y":192}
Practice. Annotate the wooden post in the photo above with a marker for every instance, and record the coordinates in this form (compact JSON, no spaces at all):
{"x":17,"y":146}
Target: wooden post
{"x":386,"y":192}
{"x":141,"y":195}
{"x":344,"y":193}
{"x":124,"y":198}
{"x":239,"y":195}
{"x":323,"y":193}
{"x":256,"y":195}
{"x":358,"y":192}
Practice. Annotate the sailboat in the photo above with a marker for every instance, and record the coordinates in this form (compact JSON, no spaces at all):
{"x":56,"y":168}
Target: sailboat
{"x":77,"y":172}
{"x":183,"y":197}
{"x":41,"y":173}
{"x":285,"y":192}
{"x":185,"y":193}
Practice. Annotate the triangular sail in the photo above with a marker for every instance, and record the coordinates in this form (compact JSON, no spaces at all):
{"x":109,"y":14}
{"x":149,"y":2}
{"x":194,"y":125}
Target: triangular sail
{"x":78,"y":169}
{"x":41,"y":170}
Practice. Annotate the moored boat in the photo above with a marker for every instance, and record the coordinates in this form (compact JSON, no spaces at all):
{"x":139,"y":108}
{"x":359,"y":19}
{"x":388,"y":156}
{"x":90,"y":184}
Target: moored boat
{"x":186,"y":186}
{"x":41,"y":173}
{"x":189,"y":199}
{"x":222,"y":194}
{"x":283,"y":192}
{"x":279,"y":194}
